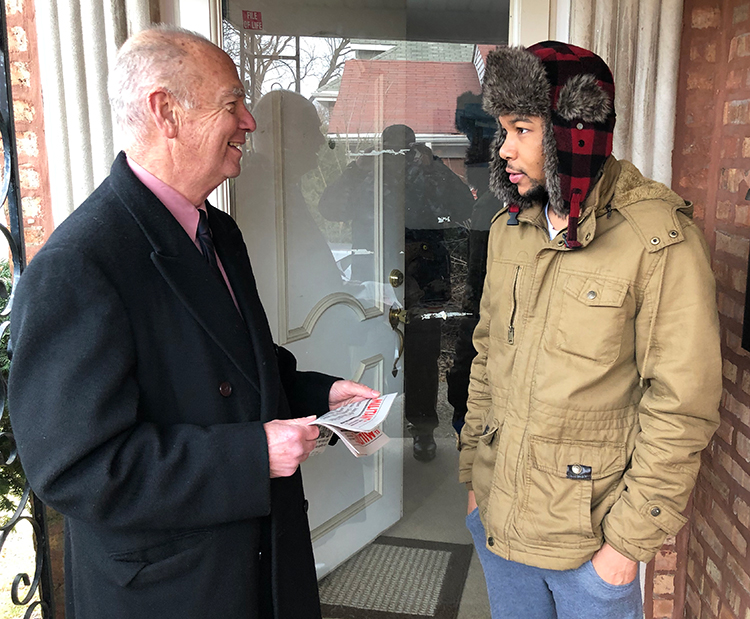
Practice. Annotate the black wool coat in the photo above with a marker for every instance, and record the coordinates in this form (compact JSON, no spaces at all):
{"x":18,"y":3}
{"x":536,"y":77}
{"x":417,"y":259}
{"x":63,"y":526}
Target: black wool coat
{"x":138,"y":395}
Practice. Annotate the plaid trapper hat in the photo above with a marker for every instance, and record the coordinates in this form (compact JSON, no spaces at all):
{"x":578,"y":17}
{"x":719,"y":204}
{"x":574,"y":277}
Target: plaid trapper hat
{"x":572,"y":90}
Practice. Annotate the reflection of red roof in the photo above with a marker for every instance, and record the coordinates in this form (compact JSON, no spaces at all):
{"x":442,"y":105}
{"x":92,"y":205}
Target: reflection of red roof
{"x":485,"y":49}
{"x":378,"y":93}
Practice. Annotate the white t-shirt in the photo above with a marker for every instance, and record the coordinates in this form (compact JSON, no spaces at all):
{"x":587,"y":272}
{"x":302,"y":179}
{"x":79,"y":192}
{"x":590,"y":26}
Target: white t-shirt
{"x":550,"y":229}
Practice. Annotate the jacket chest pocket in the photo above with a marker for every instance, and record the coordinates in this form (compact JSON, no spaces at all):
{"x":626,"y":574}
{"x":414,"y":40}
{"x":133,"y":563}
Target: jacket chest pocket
{"x":593,"y":313}
{"x":566,"y":481}
{"x":506,"y":292}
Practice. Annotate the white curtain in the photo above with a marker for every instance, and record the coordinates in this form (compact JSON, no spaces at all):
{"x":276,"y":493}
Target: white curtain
{"x":78,"y":41}
{"x":640,"y":40}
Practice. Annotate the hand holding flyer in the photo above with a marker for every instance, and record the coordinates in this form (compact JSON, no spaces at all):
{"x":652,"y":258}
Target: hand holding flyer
{"x":357,"y":425}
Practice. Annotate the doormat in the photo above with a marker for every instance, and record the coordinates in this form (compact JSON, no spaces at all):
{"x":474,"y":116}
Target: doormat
{"x":395,"y":578}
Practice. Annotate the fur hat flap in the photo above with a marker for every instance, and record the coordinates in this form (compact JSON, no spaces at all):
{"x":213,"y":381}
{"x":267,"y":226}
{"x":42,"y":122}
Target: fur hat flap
{"x":515,"y":83}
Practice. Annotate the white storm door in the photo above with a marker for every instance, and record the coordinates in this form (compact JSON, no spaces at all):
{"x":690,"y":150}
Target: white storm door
{"x":332,"y":314}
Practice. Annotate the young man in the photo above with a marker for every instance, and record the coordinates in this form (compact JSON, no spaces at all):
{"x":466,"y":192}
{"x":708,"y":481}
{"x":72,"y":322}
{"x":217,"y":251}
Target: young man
{"x":598,"y":373}
{"x":150,"y":405}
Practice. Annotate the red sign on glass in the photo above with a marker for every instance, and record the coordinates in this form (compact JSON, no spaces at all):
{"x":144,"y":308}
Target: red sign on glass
{"x":251,"y":20}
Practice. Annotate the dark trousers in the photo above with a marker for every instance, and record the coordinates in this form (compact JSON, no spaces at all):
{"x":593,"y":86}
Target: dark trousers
{"x":421,"y":352}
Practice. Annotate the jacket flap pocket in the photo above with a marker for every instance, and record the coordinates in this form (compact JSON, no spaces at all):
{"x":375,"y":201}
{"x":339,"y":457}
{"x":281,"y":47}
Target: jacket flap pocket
{"x":664,"y":517}
{"x":577,"y":459}
{"x":488,"y":433}
{"x":596,"y":292}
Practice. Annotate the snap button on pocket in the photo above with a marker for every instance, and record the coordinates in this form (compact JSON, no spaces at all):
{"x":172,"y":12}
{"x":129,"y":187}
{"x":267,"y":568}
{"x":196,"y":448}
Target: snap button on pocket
{"x":673,"y":234}
{"x":655,"y":241}
{"x":655,"y":511}
{"x":591,"y":295}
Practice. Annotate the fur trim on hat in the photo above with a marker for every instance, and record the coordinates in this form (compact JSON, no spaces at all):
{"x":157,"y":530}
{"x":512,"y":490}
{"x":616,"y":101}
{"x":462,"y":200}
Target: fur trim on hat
{"x":515,"y":82}
{"x":583,"y":99}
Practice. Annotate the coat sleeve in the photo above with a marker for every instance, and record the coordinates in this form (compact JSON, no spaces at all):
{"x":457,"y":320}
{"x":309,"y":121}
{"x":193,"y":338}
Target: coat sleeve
{"x":677,"y":338}
{"x":480,"y":399}
{"x":74,"y":402}
{"x":307,"y":392}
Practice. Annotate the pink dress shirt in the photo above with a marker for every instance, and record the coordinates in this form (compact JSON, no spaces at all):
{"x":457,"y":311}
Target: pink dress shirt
{"x":181,"y":208}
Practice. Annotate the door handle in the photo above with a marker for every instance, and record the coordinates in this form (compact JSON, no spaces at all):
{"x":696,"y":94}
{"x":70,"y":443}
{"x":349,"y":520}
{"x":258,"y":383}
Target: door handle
{"x":396,"y":278}
{"x":396,"y":316}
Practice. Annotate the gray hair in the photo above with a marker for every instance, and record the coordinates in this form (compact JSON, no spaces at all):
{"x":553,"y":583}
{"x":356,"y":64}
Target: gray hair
{"x":153,"y":58}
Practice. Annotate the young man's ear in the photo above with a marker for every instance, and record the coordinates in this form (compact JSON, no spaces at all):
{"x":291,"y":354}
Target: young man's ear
{"x":162,"y":106}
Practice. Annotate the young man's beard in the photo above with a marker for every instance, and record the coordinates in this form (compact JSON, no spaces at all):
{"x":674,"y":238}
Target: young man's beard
{"x":537,"y":193}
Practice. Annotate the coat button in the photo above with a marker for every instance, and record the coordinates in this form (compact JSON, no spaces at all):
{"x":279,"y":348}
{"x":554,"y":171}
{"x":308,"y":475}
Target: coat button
{"x":655,"y":240}
{"x":225,"y":389}
{"x":673,"y":234}
{"x":576,"y":469}
{"x":491,"y":541}
{"x":591,"y":294}
{"x":655,"y":511}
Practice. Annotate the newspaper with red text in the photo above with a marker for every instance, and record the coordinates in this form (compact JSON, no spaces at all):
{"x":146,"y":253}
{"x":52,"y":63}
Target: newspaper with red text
{"x":358,"y":425}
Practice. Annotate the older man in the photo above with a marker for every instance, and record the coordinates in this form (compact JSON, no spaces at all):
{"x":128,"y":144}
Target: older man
{"x":150,"y":404}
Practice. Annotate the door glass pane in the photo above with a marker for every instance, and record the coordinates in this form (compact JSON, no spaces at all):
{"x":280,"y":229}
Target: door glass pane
{"x":365,"y":205}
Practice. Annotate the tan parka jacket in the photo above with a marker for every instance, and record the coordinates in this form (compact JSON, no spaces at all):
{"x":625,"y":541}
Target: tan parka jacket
{"x":597,"y":379}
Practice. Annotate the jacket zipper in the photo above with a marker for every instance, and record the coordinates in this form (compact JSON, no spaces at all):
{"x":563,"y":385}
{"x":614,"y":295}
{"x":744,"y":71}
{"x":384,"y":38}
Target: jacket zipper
{"x":511,"y":329}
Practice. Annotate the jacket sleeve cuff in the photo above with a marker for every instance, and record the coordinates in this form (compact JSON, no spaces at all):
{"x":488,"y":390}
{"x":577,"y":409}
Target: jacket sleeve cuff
{"x":639,"y":533}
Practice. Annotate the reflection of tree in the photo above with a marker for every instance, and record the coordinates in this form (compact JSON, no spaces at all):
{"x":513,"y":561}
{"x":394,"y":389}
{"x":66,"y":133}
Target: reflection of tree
{"x":269,"y":62}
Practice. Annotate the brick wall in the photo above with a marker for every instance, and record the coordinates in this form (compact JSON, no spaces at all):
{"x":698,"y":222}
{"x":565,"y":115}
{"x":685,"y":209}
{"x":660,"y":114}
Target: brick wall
{"x":711,"y":167}
{"x":27,"y":109}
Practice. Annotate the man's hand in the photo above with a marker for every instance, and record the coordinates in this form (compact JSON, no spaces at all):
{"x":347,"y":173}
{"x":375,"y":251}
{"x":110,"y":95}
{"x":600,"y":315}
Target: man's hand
{"x":347,"y":391}
{"x":613,"y":567}
{"x":290,"y":442}
{"x":472,"y":503}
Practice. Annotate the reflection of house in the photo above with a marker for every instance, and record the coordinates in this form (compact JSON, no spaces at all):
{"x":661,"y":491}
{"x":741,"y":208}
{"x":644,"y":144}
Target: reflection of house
{"x":410,"y":83}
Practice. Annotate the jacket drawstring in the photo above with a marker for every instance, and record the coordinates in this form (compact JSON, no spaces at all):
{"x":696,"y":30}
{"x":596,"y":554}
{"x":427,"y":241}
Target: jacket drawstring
{"x":653,"y":315}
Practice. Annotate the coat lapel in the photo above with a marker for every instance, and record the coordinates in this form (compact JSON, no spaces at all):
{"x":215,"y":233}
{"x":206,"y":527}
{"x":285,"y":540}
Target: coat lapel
{"x":187,"y":273}
{"x":233,"y":255}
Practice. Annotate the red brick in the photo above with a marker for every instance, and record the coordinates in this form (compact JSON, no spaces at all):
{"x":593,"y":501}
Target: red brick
{"x":742,"y":215}
{"x":23,"y":112}
{"x":709,"y":536}
{"x":739,"y":280}
{"x":735,"y":79}
{"x":695,"y":550}
{"x":693,"y":601}
{"x":702,"y":18}
{"x":700,"y":80}
{"x":716,"y":483}
{"x":746,"y":143}
{"x":665,"y":561}
{"x":737,"y":246}
{"x":20,"y":75}
{"x":664,"y":584}
{"x":726,"y":614}
{"x":742,"y":510}
{"x":742,"y":444}
{"x":737,"y":112}
{"x":740,"y":46}
{"x":730,"y":370}
{"x":726,"y":526}
{"x":740,"y":13}
{"x":738,"y":409}
{"x":663,"y":609}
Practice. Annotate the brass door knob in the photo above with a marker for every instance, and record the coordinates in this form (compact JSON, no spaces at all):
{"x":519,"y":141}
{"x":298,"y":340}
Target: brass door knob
{"x":396,"y":278}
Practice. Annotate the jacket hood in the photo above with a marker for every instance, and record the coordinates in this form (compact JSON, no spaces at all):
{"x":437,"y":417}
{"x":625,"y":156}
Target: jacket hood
{"x":572,"y":90}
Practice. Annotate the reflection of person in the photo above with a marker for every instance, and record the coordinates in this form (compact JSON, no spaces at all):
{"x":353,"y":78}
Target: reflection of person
{"x":598,"y":370}
{"x":434,"y":201}
{"x":480,"y":128}
{"x":312,"y":272}
{"x":150,"y":405}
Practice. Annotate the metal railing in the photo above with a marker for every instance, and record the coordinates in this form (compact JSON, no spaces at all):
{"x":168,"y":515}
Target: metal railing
{"x":29,"y":509}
